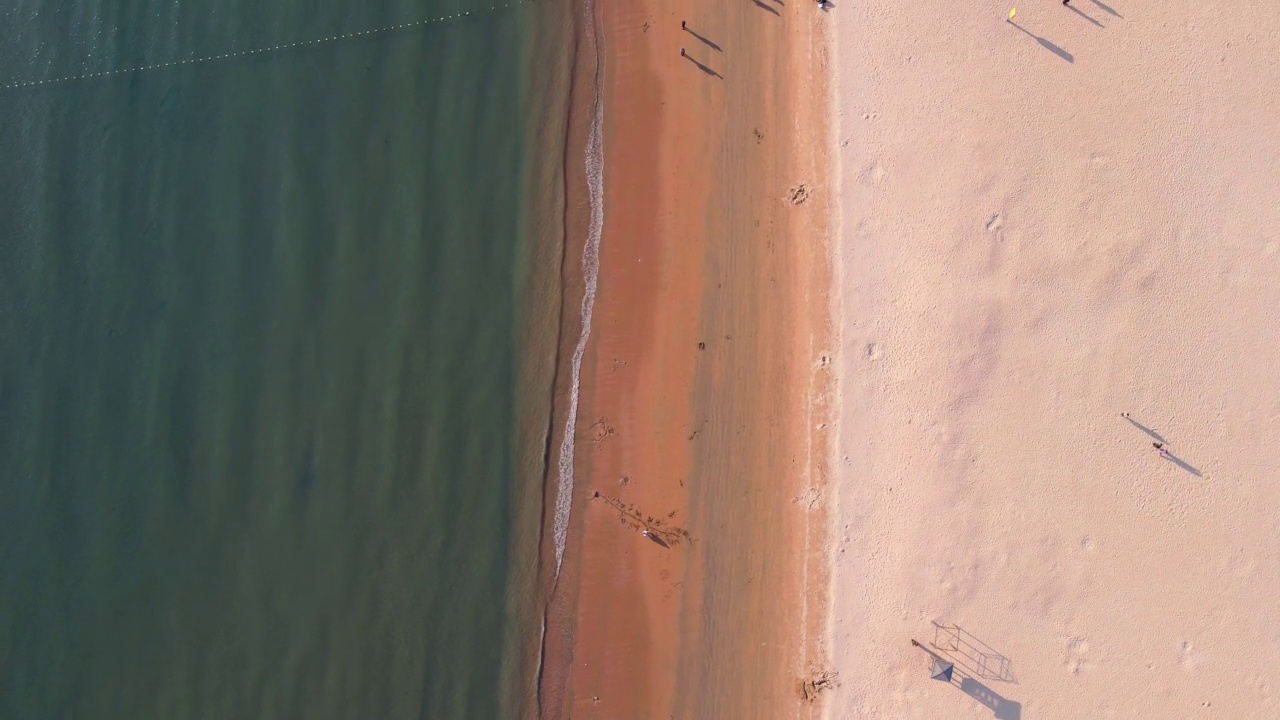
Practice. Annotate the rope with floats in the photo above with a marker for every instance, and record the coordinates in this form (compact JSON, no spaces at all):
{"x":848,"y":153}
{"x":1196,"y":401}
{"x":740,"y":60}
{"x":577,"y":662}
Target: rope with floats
{"x":261,"y":51}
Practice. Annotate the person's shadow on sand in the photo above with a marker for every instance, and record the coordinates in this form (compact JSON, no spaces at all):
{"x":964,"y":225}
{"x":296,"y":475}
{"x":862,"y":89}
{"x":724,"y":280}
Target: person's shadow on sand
{"x":705,"y":40}
{"x":767,"y":8}
{"x":1107,"y":9}
{"x":1046,"y":44}
{"x":1151,"y":432}
{"x":1160,"y":439}
{"x":1182,"y":464}
{"x":701,"y":67}
{"x":1084,"y":15}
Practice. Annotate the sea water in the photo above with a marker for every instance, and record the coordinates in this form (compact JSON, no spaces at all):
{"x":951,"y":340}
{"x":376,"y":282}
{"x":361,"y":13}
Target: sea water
{"x":258,"y":357}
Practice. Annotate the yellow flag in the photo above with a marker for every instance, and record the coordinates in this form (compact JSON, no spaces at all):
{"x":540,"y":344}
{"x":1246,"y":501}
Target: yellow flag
{"x":1013,"y":13}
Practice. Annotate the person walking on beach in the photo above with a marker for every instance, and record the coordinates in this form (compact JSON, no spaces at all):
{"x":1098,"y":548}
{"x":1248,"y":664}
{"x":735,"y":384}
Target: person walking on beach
{"x":1159,"y":446}
{"x":681,"y":52}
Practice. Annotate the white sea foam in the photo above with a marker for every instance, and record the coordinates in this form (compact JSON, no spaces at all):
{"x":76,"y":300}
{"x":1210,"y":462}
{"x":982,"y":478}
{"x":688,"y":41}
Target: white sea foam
{"x":590,"y":270}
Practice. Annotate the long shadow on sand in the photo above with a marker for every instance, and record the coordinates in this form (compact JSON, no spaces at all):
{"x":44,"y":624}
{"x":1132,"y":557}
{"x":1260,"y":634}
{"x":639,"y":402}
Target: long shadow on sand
{"x":1183,"y":464}
{"x":703,"y":68}
{"x":1107,"y":9}
{"x":770,"y":8}
{"x":1154,"y":435}
{"x":705,"y":41}
{"x":1046,"y":44}
{"x":1004,"y":708}
{"x":971,"y":654}
{"x":1082,"y":14}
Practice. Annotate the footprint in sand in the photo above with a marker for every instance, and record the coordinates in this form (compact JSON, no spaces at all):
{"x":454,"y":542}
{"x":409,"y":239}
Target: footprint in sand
{"x":994,"y":222}
{"x":798,"y":194}
{"x":873,"y":173}
{"x":1188,"y":656}
{"x":1077,"y":649}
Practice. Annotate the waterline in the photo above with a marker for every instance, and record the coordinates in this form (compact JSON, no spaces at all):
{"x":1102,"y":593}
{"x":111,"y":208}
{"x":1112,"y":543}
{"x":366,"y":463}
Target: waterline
{"x":590,"y":271}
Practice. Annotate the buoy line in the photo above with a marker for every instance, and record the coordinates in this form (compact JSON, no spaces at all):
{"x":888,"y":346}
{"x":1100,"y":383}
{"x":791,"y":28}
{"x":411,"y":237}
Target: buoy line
{"x":260,"y":51}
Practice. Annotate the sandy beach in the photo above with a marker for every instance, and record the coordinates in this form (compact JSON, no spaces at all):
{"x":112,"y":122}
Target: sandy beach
{"x":694,"y":418}
{"x":1044,"y":224}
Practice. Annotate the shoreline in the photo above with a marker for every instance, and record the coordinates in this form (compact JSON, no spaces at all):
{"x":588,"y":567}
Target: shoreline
{"x":558,"y":583}
{"x":590,"y":265}
{"x":701,"y":374}
{"x":550,"y":83}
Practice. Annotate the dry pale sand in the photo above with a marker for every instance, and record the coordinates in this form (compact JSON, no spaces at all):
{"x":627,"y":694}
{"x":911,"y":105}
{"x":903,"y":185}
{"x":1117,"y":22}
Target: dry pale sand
{"x":1042,"y":227}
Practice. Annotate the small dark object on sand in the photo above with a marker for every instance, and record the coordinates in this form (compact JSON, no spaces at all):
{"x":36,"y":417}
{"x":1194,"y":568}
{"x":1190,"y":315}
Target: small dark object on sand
{"x":1158,"y":446}
{"x":681,"y":52}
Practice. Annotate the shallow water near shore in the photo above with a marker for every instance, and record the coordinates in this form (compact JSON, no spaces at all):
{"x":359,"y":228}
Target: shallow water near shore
{"x":259,"y":359}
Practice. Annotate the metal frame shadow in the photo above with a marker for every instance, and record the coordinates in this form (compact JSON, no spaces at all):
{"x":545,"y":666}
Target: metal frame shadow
{"x":970,"y":653}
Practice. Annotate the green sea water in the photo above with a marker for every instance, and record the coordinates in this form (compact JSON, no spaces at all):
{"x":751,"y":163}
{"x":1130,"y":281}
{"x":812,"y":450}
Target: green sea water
{"x":261,"y":359}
